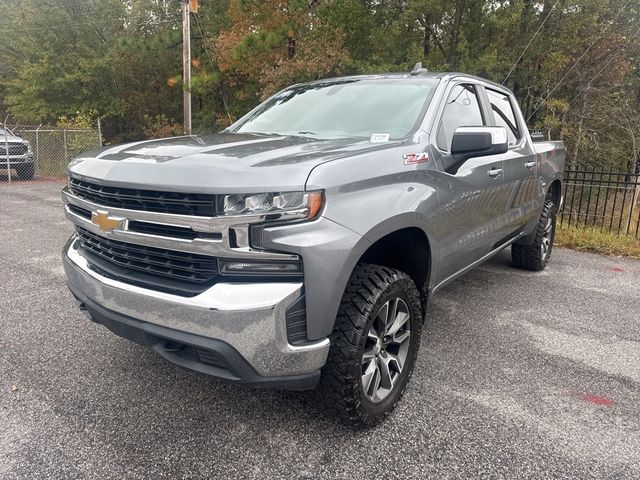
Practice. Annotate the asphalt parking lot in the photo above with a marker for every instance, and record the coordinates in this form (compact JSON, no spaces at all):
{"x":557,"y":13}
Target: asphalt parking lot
{"x":520,"y":375}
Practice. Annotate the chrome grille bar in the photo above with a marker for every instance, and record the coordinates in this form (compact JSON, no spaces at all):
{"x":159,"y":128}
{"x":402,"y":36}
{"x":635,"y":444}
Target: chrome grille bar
{"x":219,"y":247}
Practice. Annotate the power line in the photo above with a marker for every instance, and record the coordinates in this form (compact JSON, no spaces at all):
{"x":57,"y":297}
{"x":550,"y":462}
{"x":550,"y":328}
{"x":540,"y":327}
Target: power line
{"x":206,"y":49}
{"x":196,"y":16}
{"x":529,"y":44}
{"x":542,"y":101}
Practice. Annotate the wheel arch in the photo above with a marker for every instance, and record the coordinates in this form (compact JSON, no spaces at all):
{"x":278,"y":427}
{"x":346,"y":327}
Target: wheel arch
{"x":555,"y":192}
{"x":407,"y":249}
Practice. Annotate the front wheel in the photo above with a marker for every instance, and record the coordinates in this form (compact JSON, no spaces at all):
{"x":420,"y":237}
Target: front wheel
{"x":373,"y":346}
{"x":536,"y":256}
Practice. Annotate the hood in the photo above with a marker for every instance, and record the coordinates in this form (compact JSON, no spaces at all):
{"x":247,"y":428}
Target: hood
{"x":220,"y":163}
{"x":11,"y":139}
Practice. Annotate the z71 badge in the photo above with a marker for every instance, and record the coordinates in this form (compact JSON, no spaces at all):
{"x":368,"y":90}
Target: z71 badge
{"x":412,"y":158}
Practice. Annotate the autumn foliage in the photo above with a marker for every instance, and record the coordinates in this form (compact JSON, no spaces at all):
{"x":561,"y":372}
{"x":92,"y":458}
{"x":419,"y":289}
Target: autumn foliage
{"x":271,"y":44}
{"x":572,"y":65}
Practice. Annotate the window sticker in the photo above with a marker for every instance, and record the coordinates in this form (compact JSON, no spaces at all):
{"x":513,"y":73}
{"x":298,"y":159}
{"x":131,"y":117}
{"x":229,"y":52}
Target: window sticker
{"x":379,"y":137}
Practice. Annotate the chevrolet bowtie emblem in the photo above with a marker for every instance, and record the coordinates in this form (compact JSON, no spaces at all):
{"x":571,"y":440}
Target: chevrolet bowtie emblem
{"x":106,"y":223}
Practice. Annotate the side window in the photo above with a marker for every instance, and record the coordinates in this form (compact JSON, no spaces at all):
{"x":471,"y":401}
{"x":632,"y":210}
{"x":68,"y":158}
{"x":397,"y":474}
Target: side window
{"x":462,"y":110}
{"x":503,"y":114}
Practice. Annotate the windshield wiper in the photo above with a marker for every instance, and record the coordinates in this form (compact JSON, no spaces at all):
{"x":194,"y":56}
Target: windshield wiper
{"x":266,"y":134}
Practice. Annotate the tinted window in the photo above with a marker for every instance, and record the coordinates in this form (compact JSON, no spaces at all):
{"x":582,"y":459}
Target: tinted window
{"x":462,"y":110}
{"x":348,"y":108}
{"x":503,"y":114}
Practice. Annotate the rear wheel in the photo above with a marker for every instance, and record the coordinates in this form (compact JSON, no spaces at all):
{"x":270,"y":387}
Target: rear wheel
{"x":25,"y":172}
{"x":373,"y":346}
{"x":536,"y":256}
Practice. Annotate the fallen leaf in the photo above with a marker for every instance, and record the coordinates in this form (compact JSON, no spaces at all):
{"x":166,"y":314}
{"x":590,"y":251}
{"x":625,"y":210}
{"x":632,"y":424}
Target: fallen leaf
{"x":14,"y":388}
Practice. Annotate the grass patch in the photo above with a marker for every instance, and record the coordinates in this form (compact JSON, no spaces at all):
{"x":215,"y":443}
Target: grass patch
{"x":591,"y":239}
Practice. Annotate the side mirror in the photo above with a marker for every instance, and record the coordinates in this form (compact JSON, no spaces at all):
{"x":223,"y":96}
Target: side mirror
{"x":470,"y":142}
{"x":479,"y":141}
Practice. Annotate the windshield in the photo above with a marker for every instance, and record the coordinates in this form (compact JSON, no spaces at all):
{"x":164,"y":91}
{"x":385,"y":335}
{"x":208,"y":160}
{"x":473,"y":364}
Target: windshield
{"x":348,"y":108}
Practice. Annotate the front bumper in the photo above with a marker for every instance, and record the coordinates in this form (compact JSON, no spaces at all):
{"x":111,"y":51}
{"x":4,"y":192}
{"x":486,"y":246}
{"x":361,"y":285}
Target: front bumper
{"x":15,"y":160}
{"x":240,"y":325}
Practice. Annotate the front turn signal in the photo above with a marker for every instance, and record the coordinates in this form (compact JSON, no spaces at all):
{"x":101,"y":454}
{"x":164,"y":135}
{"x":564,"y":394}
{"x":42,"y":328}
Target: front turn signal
{"x":314,"y":202}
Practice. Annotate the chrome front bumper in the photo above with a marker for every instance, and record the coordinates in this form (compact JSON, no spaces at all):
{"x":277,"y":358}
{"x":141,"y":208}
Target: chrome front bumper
{"x":250,"y":317}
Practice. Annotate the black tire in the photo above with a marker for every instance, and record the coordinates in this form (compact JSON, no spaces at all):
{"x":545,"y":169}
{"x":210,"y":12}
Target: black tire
{"x":536,"y":255}
{"x":340,"y":392}
{"x":25,"y":172}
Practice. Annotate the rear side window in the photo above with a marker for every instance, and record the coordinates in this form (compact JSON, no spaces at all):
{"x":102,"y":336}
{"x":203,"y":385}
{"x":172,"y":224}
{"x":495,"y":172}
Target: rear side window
{"x":462,"y":110}
{"x":503,"y":114}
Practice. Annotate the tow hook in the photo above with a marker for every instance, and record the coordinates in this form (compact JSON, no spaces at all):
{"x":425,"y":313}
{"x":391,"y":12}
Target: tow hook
{"x":83,"y":308}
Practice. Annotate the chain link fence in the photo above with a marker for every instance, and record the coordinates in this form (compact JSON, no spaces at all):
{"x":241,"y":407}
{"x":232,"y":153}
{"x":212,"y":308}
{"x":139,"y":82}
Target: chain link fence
{"x":42,"y":153}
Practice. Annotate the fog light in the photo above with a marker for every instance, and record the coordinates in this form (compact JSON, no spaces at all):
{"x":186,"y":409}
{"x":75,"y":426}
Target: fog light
{"x":274,"y":267}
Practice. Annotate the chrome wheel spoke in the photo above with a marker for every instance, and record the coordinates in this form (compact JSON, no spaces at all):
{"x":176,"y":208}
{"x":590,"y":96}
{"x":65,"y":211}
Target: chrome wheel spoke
{"x":391,"y":316}
{"x":394,"y":360}
{"x":386,"y":376}
{"x":395,"y":329}
{"x":372,"y":335}
{"x":400,"y":338}
{"x":383,"y":318}
{"x":368,"y":355}
{"x":371,"y":379}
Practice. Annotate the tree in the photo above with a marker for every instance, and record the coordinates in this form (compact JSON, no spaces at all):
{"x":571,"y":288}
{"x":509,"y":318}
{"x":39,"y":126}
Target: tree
{"x":573,"y":66}
{"x":270,"y":44}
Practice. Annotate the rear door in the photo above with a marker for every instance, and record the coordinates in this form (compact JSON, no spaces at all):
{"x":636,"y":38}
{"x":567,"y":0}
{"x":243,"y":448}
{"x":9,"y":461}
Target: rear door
{"x":472,"y":198}
{"x":518,"y":163}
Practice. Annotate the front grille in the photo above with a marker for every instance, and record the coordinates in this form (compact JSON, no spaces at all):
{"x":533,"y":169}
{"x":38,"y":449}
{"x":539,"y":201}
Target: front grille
{"x":155,"y":268}
{"x":162,"y":230}
{"x":153,"y":228}
{"x":199,"y":204}
{"x":79,"y":211}
{"x":14,"y":149}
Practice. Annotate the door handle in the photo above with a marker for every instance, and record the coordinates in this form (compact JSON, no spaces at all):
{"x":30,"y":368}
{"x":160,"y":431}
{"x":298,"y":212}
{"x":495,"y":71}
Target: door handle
{"x":530,"y":165}
{"x":495,"y":172}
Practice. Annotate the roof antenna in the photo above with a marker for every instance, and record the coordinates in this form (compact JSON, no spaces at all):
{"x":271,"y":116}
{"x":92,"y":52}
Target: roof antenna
{"x":417,"y":69}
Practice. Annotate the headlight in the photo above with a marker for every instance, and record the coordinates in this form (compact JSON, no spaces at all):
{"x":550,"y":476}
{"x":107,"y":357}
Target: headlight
{"x":306,"y":204}
{"x":29,"y":147}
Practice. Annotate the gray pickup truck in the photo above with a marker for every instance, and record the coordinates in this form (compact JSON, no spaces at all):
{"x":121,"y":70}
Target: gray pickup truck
{"x":16,"y":154}
{"x":299,"y":247}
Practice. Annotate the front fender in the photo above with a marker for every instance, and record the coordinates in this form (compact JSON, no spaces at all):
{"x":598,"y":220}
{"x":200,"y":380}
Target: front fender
{"x":330,"y":252}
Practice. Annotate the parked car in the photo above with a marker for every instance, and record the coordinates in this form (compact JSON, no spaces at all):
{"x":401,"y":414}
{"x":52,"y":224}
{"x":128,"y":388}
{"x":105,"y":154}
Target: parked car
{"x":19,"y":156}
{"x":299,"y":247}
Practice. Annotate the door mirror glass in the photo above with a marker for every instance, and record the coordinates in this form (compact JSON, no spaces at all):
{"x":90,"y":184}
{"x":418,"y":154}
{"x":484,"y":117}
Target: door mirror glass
{"x":471,"y":142}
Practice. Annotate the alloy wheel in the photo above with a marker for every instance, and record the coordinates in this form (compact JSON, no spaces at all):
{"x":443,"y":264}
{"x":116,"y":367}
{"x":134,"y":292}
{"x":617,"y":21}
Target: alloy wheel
{"x":547,"y":234}
{"x":386,"y":349}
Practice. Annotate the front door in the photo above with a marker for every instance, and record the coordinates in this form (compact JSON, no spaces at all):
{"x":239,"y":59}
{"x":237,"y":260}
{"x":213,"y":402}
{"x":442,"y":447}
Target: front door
{"x":472,"y":198}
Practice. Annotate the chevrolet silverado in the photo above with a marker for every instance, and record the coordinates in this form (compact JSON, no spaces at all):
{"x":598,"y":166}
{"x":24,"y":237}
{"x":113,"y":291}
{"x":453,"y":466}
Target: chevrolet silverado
{"x":299,"y":247}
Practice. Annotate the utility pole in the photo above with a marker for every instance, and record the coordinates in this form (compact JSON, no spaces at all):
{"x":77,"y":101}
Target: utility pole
{"x":186,"y":66}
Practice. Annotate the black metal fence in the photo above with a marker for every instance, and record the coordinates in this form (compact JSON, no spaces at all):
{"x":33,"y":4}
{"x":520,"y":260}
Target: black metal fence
{"x":603,"y":199}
